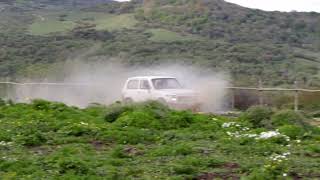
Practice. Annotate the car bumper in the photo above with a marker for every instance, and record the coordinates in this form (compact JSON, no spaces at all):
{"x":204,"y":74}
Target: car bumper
{"x":185,"y":106}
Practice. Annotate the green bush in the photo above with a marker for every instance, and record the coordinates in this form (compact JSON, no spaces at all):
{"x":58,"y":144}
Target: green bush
{"x":96,"y":110}
{"x":158,"y":109}
{"x":288,"y":117}
{"x":214,"y":162}
{"x":115,"y":111}
{"x":77,"y":130}
{"x":139,"y":119}
{"x":118,"y":152}
{"x":263,"y":174}
{"x":72,"y":165}
{"x":34,"y":139}
{"x":2,"y":102}
{"x":70,"y":159}
{"x":182,"y":149}
{"x":315,"y":130}
{"x":184,"y":169}
{"x":153,"y":108}
{"x":178,"y":119}
{"x":150,"y":114}
{"x":128,"y":135}
{"x":43,"y":105}
{"x":39,"y":104}
{"x":292,"y":131}
{"x":258,"y":116}
{"x":314,"y":148}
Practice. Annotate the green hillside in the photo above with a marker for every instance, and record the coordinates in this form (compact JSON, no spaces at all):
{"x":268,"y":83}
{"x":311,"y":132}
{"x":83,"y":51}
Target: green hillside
{"x":276,"y":47}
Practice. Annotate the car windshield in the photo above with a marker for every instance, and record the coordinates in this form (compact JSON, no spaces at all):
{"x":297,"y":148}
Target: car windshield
{"x":166,"y":83}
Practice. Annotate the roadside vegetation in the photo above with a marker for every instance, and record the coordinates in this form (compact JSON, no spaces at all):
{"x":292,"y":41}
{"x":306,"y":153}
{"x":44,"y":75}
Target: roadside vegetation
{"x":149,"y":141}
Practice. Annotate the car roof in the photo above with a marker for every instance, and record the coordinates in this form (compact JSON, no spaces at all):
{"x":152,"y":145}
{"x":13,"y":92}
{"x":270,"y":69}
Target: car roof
{"x":150,"y":77}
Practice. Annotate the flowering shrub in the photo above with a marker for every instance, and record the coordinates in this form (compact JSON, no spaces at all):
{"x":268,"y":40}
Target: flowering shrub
{"x":243,"y":132}
{"x":275,"y":168}
{"x":272,"y":134}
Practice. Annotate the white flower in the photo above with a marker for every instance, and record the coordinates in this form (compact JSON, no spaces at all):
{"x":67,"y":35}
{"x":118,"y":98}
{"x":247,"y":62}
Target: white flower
{"x":3,"y":143}
{"x":83,"y":123}
{"x":228,"y":124}
{"x":267,"y":135}
{"x":284,"y":174}
{"x":280,"y":157}
{"x":251,"y":135}
{"x":270,"y":134}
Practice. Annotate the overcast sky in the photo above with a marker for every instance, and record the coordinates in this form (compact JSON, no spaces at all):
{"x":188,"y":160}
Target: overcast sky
{"x":279,"y":5}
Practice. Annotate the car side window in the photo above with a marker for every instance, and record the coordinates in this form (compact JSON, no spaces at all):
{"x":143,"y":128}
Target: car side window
{"x":144,"y":84}
{"x":133,"y":84}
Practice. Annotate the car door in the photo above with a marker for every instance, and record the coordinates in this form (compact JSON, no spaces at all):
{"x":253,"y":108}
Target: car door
{"x":144,"y":90}
{"x":132,"y":90}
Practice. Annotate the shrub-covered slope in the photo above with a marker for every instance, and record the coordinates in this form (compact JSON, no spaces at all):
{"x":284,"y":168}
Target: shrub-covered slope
{"x":249,"y":44}
{"x":149,"y":141}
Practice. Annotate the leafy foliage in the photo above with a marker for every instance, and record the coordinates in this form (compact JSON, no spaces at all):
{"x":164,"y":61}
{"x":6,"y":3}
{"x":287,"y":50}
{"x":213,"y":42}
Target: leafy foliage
{"x":258,"y":116}
{"x":288,"y":117}
{"x":147,"y":140}
{"x":293,"y":131}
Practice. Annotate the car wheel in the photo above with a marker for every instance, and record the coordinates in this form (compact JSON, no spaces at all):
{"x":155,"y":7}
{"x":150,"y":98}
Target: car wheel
{"x":196,"y":109}
{"x":128,"y":101}
{"x":162,"y":101}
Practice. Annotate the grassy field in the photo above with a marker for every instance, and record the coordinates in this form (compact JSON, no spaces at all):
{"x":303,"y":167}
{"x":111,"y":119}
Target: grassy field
{"x":46,"y":23}
{"x":114,"y":22}
{"x":61,"y":22}
{"x":162,"y":35}
{"x":50,"y":26}
{"x":149,"y":141}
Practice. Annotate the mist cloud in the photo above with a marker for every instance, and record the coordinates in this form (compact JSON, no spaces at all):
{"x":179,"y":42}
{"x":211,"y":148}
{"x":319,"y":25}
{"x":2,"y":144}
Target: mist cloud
{"x":102,"y":82}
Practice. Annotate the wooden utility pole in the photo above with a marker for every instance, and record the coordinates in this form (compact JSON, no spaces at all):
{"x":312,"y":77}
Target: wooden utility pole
{"x":233,"y":96}
{"x":7,"y":94}
{"x":260,"y":93}
{"x":296,"y":97}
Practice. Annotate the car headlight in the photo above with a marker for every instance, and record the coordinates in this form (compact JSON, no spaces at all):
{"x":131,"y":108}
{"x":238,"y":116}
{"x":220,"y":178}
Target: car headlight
{"x":172,"y":97}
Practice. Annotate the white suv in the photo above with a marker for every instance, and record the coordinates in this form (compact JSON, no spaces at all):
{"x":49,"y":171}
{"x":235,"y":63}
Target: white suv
{"x":166,"y":90}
